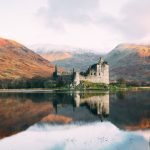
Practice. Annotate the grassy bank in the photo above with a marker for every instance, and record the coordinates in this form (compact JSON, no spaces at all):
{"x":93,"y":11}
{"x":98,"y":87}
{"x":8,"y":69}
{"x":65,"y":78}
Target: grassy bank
{"x":37,"y":85}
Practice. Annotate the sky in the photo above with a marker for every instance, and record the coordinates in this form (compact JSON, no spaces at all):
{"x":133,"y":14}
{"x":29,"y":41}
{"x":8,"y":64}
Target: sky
{"x":94,"y":24}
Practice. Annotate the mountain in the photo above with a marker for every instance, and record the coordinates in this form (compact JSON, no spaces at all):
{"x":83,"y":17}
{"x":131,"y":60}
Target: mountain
{"x":53,"y":52}
{"x":130,"y":61}
{"x":56,"y":56}
{"x":46,"y":48}
{"x":80,"y":62}
{"x":17,"y":61}
{"x":68,"y":57}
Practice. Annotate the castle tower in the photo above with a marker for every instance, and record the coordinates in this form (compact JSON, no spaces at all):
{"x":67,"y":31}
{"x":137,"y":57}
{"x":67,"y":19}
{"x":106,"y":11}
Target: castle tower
{"x":100,"y":60}
{"x":55,"y":74}
{"x":76,"y":80}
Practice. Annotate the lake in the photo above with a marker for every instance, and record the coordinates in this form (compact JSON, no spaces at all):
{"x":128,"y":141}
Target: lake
{"x":46,"y":120}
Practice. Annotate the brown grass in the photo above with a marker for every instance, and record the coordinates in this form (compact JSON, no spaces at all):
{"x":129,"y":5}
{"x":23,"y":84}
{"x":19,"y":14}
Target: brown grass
{"x":56,"y":56}
{"x":24,"y":62}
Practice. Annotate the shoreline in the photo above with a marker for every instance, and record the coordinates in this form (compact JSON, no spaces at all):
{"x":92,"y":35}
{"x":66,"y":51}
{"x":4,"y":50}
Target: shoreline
{"x":25,"y":90}
{"x":70,"y":90}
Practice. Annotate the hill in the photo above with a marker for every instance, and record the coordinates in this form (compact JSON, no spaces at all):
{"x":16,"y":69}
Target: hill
{"x":130,"y":61}
{"x":78,"y":61}
{"x":68,"y":57}
{"x":17,"y":61}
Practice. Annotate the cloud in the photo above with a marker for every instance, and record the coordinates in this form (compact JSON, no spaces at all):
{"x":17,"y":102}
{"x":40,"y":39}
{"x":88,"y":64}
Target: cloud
{"x":100,"y":24}
{"x":135,"y":19}
{"x":96,"y":23}
{"x":58,"y":12}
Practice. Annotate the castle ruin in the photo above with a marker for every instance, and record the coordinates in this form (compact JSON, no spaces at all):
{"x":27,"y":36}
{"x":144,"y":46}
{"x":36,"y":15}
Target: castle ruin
{"x":97,"y":73}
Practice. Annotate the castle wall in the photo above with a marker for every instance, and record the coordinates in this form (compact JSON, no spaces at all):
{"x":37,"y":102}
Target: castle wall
{"x":97,"y":76}
{"x":97,"y":73}
{"x":76,"y":79}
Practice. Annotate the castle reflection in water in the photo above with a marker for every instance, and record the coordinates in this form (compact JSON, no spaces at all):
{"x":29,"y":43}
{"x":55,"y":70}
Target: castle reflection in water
{"x":98,"y":103}
{"x":84,"y":105}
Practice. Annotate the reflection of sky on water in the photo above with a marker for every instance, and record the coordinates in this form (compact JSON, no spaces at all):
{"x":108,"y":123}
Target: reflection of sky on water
{"x":97,"y":135}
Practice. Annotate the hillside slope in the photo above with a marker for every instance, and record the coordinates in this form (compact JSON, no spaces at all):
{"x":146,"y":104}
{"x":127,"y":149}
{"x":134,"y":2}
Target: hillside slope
{"x":130,"y":61}
{"x":17,"y":61}
{"x":78,"y":61}
{"x":56,"y":56}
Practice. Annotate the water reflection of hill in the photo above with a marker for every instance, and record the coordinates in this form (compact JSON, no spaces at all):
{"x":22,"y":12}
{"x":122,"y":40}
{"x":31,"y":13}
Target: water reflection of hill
{"x":18,"y":111}
{"x":18,"y":114}
{"x":128,"y":110}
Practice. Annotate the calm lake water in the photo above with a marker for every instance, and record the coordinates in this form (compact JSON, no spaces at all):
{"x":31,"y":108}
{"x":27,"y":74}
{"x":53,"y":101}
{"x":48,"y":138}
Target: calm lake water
{"x":74,"y":120}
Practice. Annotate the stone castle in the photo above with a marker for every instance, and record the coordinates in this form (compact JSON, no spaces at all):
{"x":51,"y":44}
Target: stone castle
{"x":97,"y":73}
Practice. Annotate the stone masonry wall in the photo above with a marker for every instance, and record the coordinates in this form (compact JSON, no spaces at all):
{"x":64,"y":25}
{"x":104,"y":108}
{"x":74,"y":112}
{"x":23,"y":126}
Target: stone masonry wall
{"x":102,"y":78}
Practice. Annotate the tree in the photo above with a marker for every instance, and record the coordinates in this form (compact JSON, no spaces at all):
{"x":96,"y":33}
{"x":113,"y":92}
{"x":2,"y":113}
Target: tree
{"x":121,"y":82}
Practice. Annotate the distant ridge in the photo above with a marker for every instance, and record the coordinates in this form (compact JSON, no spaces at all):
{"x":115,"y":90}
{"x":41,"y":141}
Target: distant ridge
{"x":49,"y":48}
{"x":68,"y":57}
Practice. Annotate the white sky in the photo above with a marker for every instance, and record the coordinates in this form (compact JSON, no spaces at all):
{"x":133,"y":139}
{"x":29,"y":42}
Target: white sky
{"x":97,"y":24}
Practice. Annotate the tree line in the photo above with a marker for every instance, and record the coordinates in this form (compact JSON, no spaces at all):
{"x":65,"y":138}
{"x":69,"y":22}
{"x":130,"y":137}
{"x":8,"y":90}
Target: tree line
{"x":36,"y":82}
